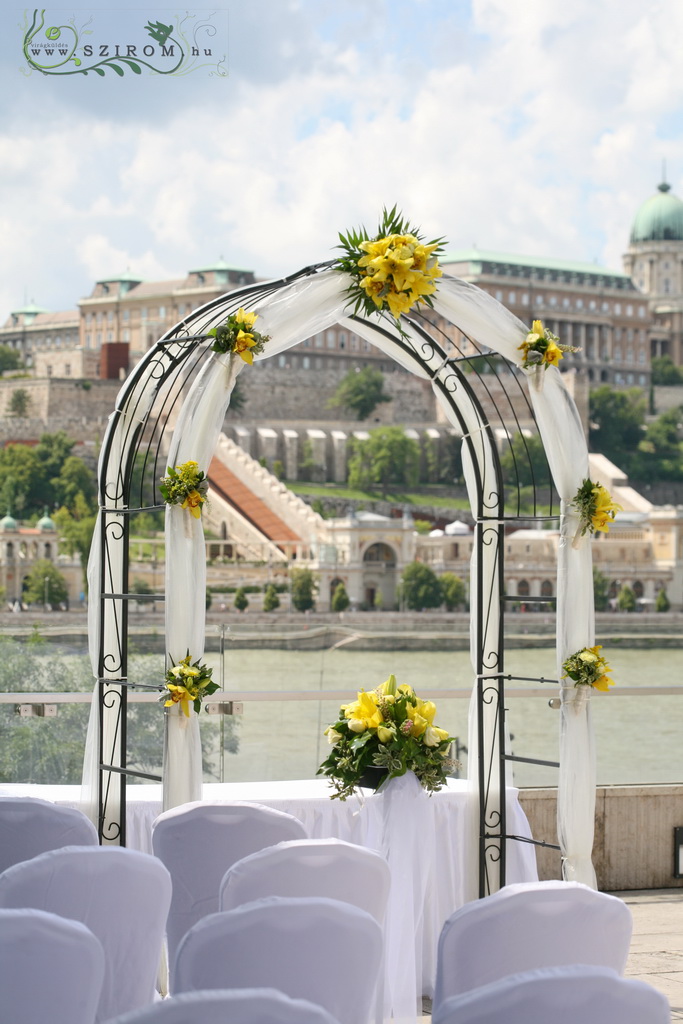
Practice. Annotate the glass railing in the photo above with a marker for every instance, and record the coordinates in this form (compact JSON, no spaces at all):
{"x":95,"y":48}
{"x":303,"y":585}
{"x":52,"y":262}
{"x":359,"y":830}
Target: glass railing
{"x":289,"y":694}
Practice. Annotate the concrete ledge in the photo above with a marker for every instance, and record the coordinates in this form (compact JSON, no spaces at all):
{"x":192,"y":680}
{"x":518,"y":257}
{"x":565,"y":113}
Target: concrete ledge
{"x":634,"y":825}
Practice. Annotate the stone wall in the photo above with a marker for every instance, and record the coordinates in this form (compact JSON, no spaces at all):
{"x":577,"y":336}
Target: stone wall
{"x":81,"y":408}
{"x":634,"y":825}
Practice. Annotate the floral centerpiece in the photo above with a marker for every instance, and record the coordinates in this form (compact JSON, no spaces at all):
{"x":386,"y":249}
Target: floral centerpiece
{"x":187,"y":683}
{"x":392,"y":271}
{"x":390,"y":729}
{"x":237,"y":335}
{"x":542,"y":348}
{"x":588,"y":668}
{"x":596,"y":509}
{"x":185,"y":485}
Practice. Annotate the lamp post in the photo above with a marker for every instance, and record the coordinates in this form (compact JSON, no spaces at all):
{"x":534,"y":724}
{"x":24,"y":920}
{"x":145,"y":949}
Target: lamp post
{"x":46,"y":580}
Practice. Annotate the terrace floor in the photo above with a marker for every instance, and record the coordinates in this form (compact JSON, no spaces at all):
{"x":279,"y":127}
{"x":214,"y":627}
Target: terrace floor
{"x":657,"y":945}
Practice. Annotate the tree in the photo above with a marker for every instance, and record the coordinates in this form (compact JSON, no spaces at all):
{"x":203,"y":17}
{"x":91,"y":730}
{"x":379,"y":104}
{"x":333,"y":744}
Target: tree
{"x":340,"y":598}
{"x":76,"y":529}
{"x":617,"y":419}
{"x":662,"y":603}
{"x":241,"y":600}
{"x":659,"y":455}
{"x":453,"y":590}
{"x":524,"y":463}
{"x":270,"y":599}
{"x":420,"y":587}
{"x":626,"y":601}
{"x":304,"y":588}
{"x":19,"y":402}
{"x":9,"y":359}
{"x":387,"y":457}
{"x":45,"y":584}
{"x":75,"y":478}
{"x":361,"y":391}
{"x":665,"y":371}
{"x":600,"y":590}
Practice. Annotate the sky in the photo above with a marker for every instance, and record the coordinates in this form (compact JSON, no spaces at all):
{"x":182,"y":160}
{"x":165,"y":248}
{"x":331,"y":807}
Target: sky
{"x":533,"y":127}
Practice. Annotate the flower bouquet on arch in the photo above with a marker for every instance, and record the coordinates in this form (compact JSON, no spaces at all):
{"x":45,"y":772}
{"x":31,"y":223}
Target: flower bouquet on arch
{"x":187,"y":684}
{"x":388,"y":731}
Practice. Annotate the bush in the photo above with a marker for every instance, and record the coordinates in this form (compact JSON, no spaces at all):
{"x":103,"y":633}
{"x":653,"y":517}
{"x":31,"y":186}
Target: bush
{"x":241,"y":600}
{"x":453,"y":591}
{"x":420,"y":587}
{"x":304,"y":588}
{"x":340,"y":598}
{"x":662,"y":603}
{"x":271,"y":601}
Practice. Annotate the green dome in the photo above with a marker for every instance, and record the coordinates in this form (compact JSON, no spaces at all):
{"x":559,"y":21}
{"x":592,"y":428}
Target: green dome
{"x":46,"y":524}
{"x":660,"y":218}
{"x":8,"y":523}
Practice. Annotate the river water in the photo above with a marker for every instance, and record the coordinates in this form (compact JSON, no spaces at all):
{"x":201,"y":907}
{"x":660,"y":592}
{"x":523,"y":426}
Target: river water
{"x":639,"y":738}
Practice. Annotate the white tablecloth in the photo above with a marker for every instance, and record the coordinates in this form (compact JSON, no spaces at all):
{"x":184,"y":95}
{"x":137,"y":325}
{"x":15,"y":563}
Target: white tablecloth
{"x":357,"y":820}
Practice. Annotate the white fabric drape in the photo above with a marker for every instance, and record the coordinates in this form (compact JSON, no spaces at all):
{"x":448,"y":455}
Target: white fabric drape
{"x":194,"y":439}
{"x":565,"y":446}
{"x":310,"y":304}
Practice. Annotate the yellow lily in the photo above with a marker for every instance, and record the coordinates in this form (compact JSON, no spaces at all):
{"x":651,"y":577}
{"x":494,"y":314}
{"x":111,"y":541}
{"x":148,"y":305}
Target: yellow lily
{"x":603,"y":683}
{"x":243,"y":343}
{"x":194,"y":502}
{"x":246,"y":318}
{"x":179,"y":695}
{"x":552,"y":354}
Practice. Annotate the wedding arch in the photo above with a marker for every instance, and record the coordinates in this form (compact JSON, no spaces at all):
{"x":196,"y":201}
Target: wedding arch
{"x":171,"y":409}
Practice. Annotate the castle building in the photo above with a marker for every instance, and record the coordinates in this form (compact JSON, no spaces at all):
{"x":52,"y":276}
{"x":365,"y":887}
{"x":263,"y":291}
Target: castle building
{"x":654,"y":260}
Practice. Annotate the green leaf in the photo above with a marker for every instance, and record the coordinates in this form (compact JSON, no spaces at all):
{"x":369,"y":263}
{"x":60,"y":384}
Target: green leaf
{"x":131,"y":64}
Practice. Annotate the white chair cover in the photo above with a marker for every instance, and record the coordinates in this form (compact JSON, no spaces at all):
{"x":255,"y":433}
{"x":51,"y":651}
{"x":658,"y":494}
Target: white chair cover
{"x":121,"y":895}
{"x":51,"y":969}
{"x":29,"y":826}
{"x":198,"y":842}
{"x":564,"y":995}
{"x":310,"y":867}
{"x":236,"y":1006}
{"x":310,"y":948}
{"x":529,"y":925}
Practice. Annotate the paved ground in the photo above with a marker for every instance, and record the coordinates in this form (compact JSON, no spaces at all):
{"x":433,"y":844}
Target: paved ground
{"x":657,"y":944}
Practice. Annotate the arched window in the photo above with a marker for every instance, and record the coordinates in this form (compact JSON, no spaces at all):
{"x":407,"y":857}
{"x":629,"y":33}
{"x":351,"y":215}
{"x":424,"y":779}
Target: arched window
{"x":638,"y":589}
{"x":380,"y":553}
{"x":523,"y":588}
{"x":546,"y":588}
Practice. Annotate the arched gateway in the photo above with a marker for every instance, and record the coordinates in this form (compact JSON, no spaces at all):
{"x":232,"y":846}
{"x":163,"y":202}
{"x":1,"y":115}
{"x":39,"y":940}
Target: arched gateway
{"x":171,"y":409}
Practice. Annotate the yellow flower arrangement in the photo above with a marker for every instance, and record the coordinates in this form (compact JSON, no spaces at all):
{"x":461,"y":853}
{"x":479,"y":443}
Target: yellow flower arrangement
{"x":187,"y":683}
{"x":237,"y":335}
{"x":391,"y":729}
{"x":542,"y":348}
{"x":393,"y":271}
{"x":186,"y":486}
{"x":596,"y":509}
{"x":588,"y":668}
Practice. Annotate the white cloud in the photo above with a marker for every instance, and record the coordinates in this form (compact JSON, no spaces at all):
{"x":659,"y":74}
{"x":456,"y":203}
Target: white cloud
{"x":543,"y":135}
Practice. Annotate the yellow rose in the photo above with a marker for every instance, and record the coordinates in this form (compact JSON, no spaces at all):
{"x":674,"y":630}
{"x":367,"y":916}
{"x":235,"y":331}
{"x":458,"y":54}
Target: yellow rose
{"x":433,"y":736}
{"x":333,"y":737}
{"x":357,"y":725}
{"x":588,"y":657}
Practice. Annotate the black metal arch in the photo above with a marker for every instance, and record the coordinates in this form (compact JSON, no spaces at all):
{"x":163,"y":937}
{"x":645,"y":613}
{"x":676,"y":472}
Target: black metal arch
{"x":133,"y":461}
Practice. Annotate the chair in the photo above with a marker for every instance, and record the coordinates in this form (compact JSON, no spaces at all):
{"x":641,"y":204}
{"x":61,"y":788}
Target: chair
{"x":236,"y":1006}
{"x":29,"y":826}
{"x":563,"y":995}
{"x":51,"y":969}
{"x":198,"y":842}
{"x":530,"y":925}
{"x":310,"y":867}
{"x":121,"y":895}
{"x":310,"y":948}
